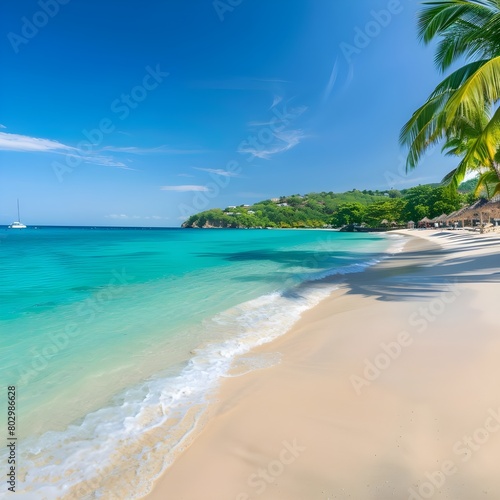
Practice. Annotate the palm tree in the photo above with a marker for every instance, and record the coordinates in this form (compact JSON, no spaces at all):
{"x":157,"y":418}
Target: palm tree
{"x":462,"y":110}
{"x":477,"y":141}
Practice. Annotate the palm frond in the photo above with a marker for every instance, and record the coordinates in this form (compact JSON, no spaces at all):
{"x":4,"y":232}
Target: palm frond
{"x":424,"y":129}
{"x":481,"y":89}
{"x":438,"y":16}
{"x":469,"y":40}
{"x":467,"y":28}
{"x":488,"y":184}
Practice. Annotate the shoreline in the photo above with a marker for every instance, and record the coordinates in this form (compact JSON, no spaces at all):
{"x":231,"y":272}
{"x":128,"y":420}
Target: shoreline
{"x":147,"y":423}
{"x":327,"y":422}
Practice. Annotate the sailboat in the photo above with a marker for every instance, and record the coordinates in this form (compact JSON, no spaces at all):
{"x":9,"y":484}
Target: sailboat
{"x":17,"y":224}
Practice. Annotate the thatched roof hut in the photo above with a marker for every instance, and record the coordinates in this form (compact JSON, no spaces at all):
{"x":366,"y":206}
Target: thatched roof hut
{"x":457,"y":214}
{"x":492,"y":208}
{"x":424,"y":222}
{"x":476,"y":210}
{"x":479,"y":210}
{"x":441,"y":218}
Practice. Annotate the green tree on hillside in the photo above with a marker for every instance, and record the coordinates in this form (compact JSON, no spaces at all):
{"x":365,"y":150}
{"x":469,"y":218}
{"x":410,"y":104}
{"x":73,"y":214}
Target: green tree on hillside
{"x":390,"y":209}
{"x":348,"y":213}
{"x":428,"y":201}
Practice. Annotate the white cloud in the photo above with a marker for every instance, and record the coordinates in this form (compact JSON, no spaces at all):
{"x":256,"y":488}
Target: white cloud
{"x":184,"y":188}
{"x":347,"y":76}
{"x":290,"y":137}
{"x":91,"y":154}
{"x":331,"y":82}
{"x":284,"y":141}
{"x":106,"y":161}
{"x":117,"y":216}
{"x":17,"y":142}
{"x":27,"y":144}
{"x":277,"y":99}
{"x":262,"y":124}
{"x":218,"y":171}
{"x":2,"y":125}
{"x":158,"y":150}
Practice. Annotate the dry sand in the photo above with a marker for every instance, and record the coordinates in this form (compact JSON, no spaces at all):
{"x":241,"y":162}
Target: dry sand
{"x":387,"y":389}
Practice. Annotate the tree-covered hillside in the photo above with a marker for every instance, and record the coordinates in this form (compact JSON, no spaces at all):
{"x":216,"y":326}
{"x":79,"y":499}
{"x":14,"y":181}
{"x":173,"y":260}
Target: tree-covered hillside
{"x":372,"y":208}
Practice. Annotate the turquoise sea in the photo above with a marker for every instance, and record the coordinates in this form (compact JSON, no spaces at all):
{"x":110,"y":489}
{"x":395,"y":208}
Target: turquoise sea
{"x":116,"y":338}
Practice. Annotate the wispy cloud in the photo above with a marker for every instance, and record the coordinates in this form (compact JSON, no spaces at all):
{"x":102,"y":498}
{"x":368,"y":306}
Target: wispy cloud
{"x":27,"y":144}
{"x":105,"y":161}
{"x":183,"y":189}
{"x":283,"y":141}
{"x":331,"y":82}
{"x":17,"y":142}
{"x":262,"y":124}
{"x":117,"y":216}
{"x":218,"y":171}
{"x":2,"y":125}
{"x":334,"y":76}
{"x":158,"y":150}
{"x":277,"y":99}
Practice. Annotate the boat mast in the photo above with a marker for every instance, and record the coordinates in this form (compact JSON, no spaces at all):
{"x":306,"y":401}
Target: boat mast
{"x":18,"y":216}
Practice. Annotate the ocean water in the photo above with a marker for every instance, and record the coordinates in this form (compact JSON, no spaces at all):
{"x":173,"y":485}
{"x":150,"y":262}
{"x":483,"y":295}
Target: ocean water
{"x":117,"y":338}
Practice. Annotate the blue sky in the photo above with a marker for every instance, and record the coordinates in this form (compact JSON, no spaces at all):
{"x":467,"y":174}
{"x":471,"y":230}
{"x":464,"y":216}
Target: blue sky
{"x":140,"y":113}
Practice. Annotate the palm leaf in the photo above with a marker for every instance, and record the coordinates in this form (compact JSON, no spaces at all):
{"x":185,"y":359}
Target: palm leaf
{"x":469,"y":40}
{"x":467,"y":29}
{"x":479,"y":90}
{"x":423,"y":129}
{"x":488,"y":184}
{"x":438,"y":16}
{"x":479,"y":152}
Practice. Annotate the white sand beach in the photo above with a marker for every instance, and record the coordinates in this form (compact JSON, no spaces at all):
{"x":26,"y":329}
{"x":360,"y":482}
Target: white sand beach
{"x":387,"y":389}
